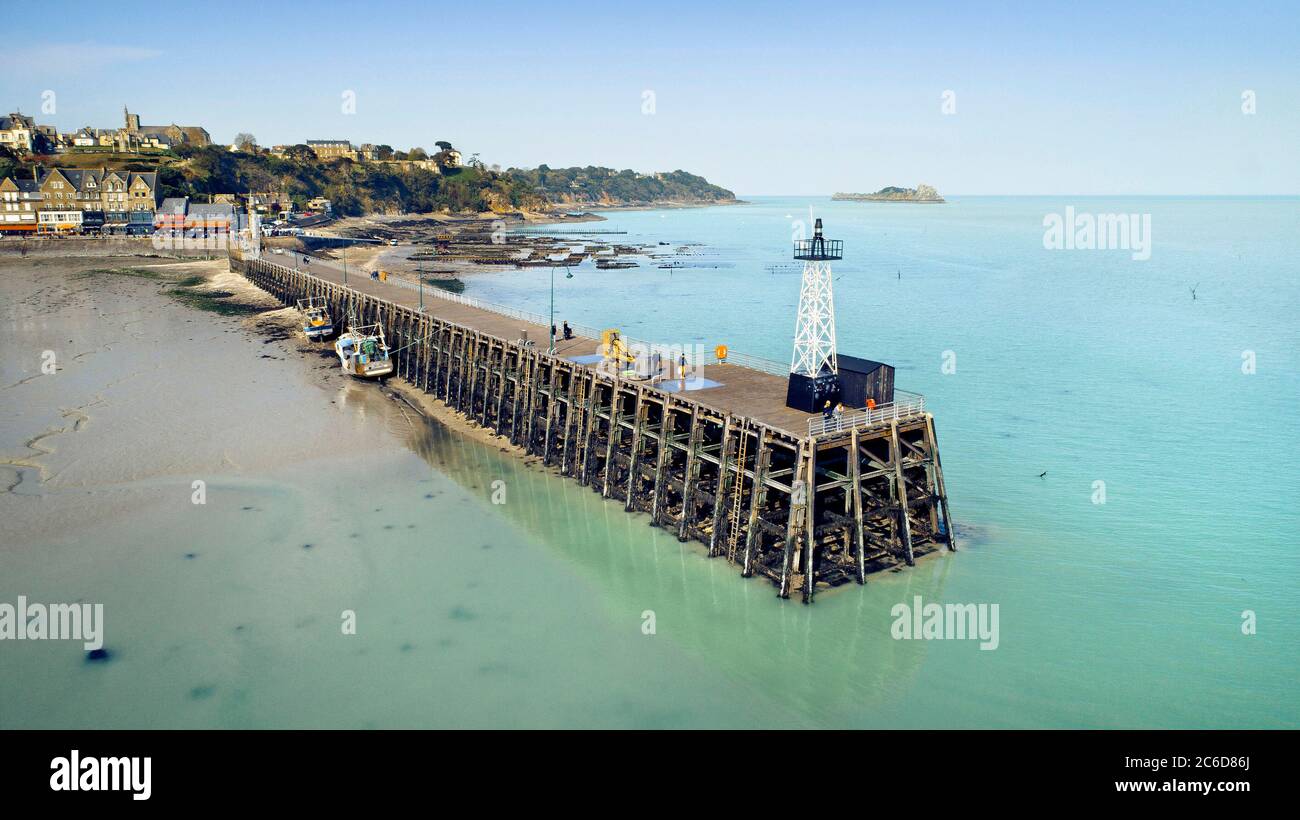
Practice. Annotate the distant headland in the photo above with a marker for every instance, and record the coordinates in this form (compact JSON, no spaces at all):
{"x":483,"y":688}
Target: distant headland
{"x":921,"y":193}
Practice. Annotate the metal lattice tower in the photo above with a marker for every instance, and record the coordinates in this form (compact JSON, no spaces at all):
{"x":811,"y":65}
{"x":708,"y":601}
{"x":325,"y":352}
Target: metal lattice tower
{"x":814,"y":329}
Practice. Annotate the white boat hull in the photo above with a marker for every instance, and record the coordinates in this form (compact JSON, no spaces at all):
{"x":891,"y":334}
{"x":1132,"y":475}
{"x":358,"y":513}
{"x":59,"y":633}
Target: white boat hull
{"x":368,"y":370}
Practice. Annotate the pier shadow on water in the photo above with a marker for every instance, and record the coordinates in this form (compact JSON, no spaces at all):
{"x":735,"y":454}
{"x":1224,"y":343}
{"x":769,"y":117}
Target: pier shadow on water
{"x":831,"y":664}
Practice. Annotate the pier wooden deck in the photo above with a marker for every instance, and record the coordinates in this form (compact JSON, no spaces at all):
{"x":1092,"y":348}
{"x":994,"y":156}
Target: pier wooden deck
{"x":730,"y":466}
{"x":743,"y":391}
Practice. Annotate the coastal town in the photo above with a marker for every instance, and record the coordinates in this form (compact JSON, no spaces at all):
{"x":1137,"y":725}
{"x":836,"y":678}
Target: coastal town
{"x":140,"y":179}
{"x":102,"y":182}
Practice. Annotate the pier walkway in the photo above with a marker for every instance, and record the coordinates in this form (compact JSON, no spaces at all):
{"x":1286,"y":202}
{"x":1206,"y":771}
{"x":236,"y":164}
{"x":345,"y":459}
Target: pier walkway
{"x":746,"y":385}
{"x":778,"y":492}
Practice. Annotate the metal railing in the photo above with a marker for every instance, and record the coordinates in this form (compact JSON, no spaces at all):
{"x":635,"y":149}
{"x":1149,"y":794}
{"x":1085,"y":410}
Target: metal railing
{"x":633,"y":344}
{"x":819,"y":248}
{"x":904,"y":405}
{"x":755,"y":363}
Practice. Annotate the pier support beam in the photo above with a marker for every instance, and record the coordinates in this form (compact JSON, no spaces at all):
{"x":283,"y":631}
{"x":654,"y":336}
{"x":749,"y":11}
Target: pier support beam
{"x":758,"y":496}
{"x":798,"y":499}
{"x":810,"y":529}
{"x":859,"y":538}
{"x":904,"y":520}
{"x":886,"y":503}
{"x":634,"y":454}
{"x":615,"y":432}
{"x":939,"y":485}
{"x":692,"y":473}
{"x":661,"y":460}
{"x":720,"y":490}
{"x":588,"y":432}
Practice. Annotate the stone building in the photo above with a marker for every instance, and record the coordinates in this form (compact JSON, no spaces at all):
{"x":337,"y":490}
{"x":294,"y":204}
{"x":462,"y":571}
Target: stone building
{"x":332,"y":149}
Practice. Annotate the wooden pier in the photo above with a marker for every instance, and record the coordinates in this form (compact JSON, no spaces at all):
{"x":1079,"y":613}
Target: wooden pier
{"x":777,"y":492}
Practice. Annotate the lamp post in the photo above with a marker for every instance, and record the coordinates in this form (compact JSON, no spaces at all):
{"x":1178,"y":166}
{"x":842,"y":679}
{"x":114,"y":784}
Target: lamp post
{"x":567,"y":275}
{"x":345,"y":265}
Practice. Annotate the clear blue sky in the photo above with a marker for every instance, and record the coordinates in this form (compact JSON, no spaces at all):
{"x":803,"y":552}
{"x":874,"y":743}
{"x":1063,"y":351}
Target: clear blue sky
{"x":780,"y":98}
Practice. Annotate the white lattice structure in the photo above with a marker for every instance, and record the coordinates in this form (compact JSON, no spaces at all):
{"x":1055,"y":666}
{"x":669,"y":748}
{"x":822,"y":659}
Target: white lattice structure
{"x":814,"y":329}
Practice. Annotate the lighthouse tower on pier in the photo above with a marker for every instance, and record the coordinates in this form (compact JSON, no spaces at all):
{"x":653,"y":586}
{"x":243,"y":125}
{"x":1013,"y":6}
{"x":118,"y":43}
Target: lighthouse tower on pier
{"x":813,"y":367}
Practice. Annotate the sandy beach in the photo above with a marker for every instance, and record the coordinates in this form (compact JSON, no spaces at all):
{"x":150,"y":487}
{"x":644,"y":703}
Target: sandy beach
{"x":228,"y":495}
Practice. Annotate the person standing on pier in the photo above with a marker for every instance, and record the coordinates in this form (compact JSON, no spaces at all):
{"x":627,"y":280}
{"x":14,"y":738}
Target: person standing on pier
{"x":839,"y":416}
{"x":827,"y":413}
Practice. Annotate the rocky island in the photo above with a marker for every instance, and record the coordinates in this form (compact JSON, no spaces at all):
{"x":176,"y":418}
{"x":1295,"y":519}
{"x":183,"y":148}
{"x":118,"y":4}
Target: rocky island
{"x":921,"y":193}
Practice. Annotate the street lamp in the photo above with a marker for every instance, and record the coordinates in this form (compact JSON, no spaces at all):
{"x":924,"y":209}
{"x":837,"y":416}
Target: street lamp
{"x":567,"y":275}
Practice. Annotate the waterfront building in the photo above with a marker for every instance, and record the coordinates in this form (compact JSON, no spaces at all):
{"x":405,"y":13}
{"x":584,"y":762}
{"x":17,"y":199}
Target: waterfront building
{"x":18,"y":133}
{"x":108,"y":201}
{"x":20,"y":200}
{"x":171,"y":214}
{"x":63,"y":220}
{"x":210,"y":218}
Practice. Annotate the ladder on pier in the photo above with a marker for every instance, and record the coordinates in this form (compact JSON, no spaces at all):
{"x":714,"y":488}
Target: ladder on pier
{"x":738,"y":494}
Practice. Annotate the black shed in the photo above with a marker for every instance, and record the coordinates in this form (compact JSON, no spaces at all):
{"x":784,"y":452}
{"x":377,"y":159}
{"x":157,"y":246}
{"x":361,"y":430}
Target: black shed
{"x":862,"y":379}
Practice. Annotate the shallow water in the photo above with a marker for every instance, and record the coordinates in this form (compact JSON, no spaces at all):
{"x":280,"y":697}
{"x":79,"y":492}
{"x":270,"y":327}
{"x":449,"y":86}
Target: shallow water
{"x":1088,"y":365}
{"x":530,"y":612}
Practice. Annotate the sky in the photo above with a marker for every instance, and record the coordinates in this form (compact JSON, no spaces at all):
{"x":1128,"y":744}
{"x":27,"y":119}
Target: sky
{"x":1083,"y":98}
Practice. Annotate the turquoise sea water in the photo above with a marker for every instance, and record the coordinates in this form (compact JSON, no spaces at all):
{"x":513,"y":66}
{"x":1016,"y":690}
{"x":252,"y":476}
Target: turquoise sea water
{"x":1084,"y":364}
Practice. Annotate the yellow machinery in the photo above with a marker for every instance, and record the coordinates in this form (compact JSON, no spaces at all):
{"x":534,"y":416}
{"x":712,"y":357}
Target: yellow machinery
{"x":614,"y":349}
{"x":632,"y":362}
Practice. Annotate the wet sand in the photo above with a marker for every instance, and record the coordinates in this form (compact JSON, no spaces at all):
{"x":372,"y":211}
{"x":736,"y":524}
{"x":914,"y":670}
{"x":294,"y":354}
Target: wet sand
{"x":322,"y":496}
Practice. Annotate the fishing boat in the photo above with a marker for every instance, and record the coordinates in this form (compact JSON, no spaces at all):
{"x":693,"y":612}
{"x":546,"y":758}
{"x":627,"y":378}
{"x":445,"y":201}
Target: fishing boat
{"x":316,"y":322}
{"x":363,"y":352}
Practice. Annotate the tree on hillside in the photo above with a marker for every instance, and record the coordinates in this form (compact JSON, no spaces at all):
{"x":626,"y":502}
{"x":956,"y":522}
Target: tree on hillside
{"x":418,"y":153}
{"x":300,"y":153}
{"x":8,"y":162}
{"x":171,"y":182}
{"x":245,"y":141}
{"x":384,"y":152}
{"x":213,"y":170}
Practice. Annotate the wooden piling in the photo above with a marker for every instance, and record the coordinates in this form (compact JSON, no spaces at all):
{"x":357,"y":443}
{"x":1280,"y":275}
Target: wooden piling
{"x":845,"y":523}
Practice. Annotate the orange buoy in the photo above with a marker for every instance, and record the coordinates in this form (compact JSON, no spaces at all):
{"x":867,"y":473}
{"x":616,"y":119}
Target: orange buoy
{"x":721,"y":352}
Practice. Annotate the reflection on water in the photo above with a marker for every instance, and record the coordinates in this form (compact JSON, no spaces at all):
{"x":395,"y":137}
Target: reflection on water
{"x":835,"y":659}
{"x":333,"y":498}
